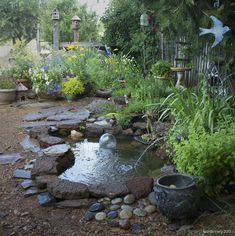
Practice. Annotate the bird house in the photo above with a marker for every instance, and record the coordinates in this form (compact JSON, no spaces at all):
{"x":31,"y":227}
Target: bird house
{"x":76,"y":23}
{"x":55,"y":15}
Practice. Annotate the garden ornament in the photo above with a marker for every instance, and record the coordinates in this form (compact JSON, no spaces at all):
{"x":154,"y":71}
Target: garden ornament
{"x":218,"y":30}
{"x":107,"y":141}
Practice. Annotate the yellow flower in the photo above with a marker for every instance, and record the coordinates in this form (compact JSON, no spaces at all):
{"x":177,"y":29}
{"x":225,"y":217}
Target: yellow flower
{"x":82,"y":55}
{"x":82,"y":49}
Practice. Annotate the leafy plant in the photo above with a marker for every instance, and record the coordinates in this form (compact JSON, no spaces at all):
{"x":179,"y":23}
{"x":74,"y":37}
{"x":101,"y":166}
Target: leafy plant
{"x":211,"y":156}
{"x":72,"y":87}
{"x":161,"y":69}
{"x":7,"y":84}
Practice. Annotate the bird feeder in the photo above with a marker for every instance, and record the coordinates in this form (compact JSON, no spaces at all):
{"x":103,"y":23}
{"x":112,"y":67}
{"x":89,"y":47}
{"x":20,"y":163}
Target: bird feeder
{"x":55,"y":15}
{"x":76,"y":23}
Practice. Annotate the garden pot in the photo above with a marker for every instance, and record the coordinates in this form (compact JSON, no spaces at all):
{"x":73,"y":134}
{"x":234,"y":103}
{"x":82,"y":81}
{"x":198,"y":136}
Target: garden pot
{"x":177,"y":196}
{"x":7,"y":96}
{"x":104,"y":93}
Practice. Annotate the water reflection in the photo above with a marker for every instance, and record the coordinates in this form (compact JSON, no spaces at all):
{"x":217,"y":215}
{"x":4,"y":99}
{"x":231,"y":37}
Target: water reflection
{"x":95,"y":165}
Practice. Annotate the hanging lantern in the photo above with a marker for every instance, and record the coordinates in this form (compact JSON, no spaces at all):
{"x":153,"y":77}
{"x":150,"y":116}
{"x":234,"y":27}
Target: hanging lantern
{"x":144,"y":20}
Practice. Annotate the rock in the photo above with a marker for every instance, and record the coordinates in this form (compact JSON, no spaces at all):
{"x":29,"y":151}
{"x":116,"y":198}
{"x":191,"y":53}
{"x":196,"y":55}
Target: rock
{"x":43,"y":180}
{"x":28,"y":166}
{"x":100,"y":216}
{"x":38,"y":124}
{"x":98,"y":105}
{"x":81,"y":114}
{"x":150,"y":209}
{"x":114,"y":207}
{"x":9,"y":158}
{"x":36,"y":131}
{"x":129,"y":199}
{"x":45,"y":166}
{"x":46,"y":199}
{"x":125,"y":224}
{"x":80,"y":203}
{"x":140,"y":186}
{"x":22,"y":174}
{"x":47,"y":140}
{"x":140,"y":125}
{"x":125,"y":214}
{"x":114,"y":130}
{"x":30,"y":144}
{"x":100,"y":118}
{"x":28,"y":183}
{"x":139,"y":212}
{"x":91,"y":120}
{"x":31,"y":191}
{"x":168,"y":169}
{"x":137,"y":227}
{"x":139,"y":132}
{"x":113,"y":223}
{"x":96,"y":207}
{"x":112,"y":215}
{"x":56,"y":150}
{"x":34,"y":117}
{"x":172,"y":186}
{"x":127,"y":207}
{"x":128,"y":132}
{"x":88,"y":216}
{"x":52,"y":111}
{"x":116,"y":201}
{"x":75,"y":135}
{"x":93,"y":130}
{"x":64,"y":189}
{"x":152,"y":198}
{"x":103,"y":123}
{"x":69,"y":124}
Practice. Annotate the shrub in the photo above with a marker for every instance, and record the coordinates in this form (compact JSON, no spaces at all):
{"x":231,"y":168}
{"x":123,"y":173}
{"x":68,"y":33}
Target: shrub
{"x":7,"y":84}
{"x":72,"y":87}
{"x":211,"y":156}
{"x":162,"y":69}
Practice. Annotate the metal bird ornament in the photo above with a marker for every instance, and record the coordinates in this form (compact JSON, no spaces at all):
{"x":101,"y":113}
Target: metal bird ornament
{"x":218,"y":30}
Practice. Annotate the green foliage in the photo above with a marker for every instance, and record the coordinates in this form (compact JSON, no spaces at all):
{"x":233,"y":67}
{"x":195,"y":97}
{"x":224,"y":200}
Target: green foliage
{"x":72,"y":87}
{"x":7,"y":84}
{"x":161,"y":69}
{"x":18,"y":19}
{"x":68,"y":8}
{"x":211,"y":156}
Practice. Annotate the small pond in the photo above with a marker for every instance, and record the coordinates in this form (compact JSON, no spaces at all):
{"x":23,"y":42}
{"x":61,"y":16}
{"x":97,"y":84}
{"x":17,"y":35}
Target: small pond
{"x":95,"y":165}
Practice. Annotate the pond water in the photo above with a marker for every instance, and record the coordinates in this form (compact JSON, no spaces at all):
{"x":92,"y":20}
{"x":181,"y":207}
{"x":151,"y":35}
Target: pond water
{"x":95,"y":165}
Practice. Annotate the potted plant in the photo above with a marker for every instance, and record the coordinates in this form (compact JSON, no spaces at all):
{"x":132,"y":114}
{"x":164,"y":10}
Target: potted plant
{"x":7,"y":91}
{"x":161,"y":69}
{"x":72,"y":87}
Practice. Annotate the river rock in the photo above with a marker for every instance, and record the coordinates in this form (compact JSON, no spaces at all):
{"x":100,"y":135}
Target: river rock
{"x":127,"y":207}
{"x":22,"y":174}
{"x":140,"y":125}
{"x":56,"y":150}
{"x":93,"y":130}
{"x":139,"y":212}
{"x":46,"y":199}
{"x":137,"y":227}
{"x":128,"y":132}
{"x":88,"y":216}
{"x":47,"y":140}
{"x":103,"y":123}
{"x":96,"y":207}
{"x":129,"y":199}
{"x":140,"y":186}
{"x":67,"y":190}
{"x":125,"y":214}
{"x":125,"y":224}
{"x":116,"y":201}
{"x":36,"y":131}
{"x":30,"y":144}
{"x":150,"y":209}
{"x":112,"y":215}
{"x":100,"y":216}
{"x":152,"y":198}
{"x":114,"y":207}
{"x":31,"y":191}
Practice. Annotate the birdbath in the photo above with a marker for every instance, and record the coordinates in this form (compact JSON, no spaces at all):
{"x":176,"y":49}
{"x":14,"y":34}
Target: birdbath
{"x":180,"y":72}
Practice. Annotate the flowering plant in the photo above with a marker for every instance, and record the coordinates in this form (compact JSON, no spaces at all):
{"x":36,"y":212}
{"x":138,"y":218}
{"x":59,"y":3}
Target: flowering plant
{"x":72,"y":87}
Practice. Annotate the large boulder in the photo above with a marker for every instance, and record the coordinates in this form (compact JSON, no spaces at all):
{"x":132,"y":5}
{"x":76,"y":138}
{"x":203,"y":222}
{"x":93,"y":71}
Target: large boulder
{"x":65,"y":189}
{"x":140,"y":186}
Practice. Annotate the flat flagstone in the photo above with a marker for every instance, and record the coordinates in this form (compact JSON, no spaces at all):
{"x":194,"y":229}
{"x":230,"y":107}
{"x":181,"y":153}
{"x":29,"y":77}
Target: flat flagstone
{"x":22,"y":174}
{"x":9,"y":158}
{"x":34,"y":117}
{"x":30,"y":144}
{"x":56,"y":150}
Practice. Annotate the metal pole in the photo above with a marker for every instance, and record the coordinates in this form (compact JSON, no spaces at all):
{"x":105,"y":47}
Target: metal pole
{"x":56,"y":34}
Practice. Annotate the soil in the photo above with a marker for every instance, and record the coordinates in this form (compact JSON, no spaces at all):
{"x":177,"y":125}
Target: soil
{"x":24,"y":216}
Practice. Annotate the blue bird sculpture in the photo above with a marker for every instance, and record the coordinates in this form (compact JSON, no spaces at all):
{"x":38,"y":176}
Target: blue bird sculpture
{"x":218,"y":30}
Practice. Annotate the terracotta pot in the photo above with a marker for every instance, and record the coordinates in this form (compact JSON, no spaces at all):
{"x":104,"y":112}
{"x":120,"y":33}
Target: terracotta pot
{"x":7,"y":96}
